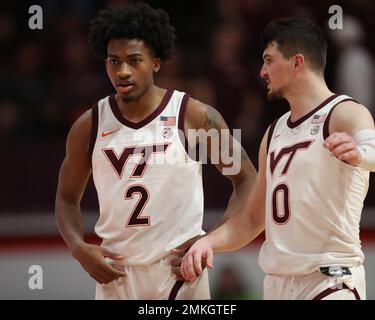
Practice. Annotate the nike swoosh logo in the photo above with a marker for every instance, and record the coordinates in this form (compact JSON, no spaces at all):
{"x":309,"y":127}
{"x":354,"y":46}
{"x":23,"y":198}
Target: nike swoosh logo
{"x":104,"y":134}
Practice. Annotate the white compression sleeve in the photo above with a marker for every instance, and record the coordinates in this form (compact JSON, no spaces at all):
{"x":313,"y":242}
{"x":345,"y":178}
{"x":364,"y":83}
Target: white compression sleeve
{"x":365,"y":140}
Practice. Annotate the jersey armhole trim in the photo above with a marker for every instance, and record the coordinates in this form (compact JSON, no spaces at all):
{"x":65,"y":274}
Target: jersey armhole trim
{"x":94,"y":127}
{"x":181,"y":125}
{"x":326,"y":122}
{"x":270,"y":133}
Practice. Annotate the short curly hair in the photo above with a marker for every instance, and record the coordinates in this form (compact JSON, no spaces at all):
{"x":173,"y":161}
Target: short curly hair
{"x":136,"y":21}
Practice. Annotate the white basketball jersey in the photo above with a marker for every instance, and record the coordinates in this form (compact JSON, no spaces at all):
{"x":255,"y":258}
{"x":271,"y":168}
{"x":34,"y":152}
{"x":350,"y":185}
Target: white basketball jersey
{"x":314,"y":200}
{"x":150,"y":192}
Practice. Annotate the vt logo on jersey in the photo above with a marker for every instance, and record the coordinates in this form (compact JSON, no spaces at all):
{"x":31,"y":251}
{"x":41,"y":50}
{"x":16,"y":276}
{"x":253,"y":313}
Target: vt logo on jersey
{"x":118,"y":162}
{"x":287,"y":151}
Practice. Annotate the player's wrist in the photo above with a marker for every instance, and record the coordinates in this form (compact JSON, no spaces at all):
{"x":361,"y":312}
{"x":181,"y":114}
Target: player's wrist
{"x":365,"y":140}
{"x":359,"y":157}
{"x":210,"y":242}
{"x":77,"y":247}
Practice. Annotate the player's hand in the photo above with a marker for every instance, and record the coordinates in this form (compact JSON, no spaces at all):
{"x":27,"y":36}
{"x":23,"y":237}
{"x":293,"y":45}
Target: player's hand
{"x":91,"y":258}
{"x":194,"y":261}
{"x":343,"y":146}
{"x":179,"y":252}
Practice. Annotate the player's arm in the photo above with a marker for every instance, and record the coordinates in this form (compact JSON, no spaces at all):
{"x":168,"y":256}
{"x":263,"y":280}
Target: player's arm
{"x":352,"y":135}
{"x":236,"y":232}
{"x":73,"y":176}
{"x":225,"y":153}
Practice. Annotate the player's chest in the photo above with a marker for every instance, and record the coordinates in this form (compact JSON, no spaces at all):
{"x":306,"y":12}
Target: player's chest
{"x":295,"y":152}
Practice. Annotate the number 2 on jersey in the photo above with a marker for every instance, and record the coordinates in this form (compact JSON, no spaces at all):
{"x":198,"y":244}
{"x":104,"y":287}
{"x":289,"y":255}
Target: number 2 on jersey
{"x":118,"y":163}
{"x":134,"y":219}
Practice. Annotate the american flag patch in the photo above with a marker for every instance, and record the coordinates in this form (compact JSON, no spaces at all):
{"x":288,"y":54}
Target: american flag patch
{"x":168,"y":121}
{"x":318,"y":118}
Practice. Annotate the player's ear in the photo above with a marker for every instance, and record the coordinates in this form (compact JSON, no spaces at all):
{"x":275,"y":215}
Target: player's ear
{"x":299,"y":60}
{"x":156,"y":65}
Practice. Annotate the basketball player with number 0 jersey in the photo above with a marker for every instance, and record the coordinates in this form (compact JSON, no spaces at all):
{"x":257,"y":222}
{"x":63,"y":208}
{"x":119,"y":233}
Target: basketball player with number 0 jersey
{"x":314,"y":165}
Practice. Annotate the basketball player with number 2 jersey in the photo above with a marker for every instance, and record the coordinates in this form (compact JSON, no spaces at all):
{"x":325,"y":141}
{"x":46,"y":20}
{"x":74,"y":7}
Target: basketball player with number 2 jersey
{"x":137,"y":147}
{"x":150,"y":196}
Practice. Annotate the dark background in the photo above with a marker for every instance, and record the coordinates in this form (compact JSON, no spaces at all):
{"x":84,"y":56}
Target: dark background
{"x":49,"y":77}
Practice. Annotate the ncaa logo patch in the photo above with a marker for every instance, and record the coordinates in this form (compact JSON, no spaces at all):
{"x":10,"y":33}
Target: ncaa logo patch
{"x":167,"y":132}
{"x":314,"y":130}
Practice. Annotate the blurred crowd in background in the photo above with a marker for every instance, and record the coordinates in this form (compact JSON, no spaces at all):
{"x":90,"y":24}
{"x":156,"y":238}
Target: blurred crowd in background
{"x":49,"y":77}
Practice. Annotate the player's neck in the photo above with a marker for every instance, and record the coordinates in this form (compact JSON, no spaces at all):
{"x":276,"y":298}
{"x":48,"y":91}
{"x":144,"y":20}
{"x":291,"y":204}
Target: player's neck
{"x":306,"y":96}
{"x":139,"y":109}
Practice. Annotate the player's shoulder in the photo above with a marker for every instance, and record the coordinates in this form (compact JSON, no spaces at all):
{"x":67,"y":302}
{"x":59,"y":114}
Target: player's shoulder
{"x":202,"y":115}
{"x":81,"y":131}
{"x":349,"y":105}
{"x":347,"y":114}
{"x":83,"y":122}
{"x":347,"y":109}
{"x":197,"y":106}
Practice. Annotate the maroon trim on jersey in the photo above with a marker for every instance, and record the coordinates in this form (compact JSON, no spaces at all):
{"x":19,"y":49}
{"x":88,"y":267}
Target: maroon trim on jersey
{"x":326,"y":122}
{"x":177,"y":286}
{"x":94,"y":127}
{"x":181,"y":122}
{"x":294,"y":124}
{"x":270,"y":133}
{"x":328,"y":291}
{"x":117,"y":113}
